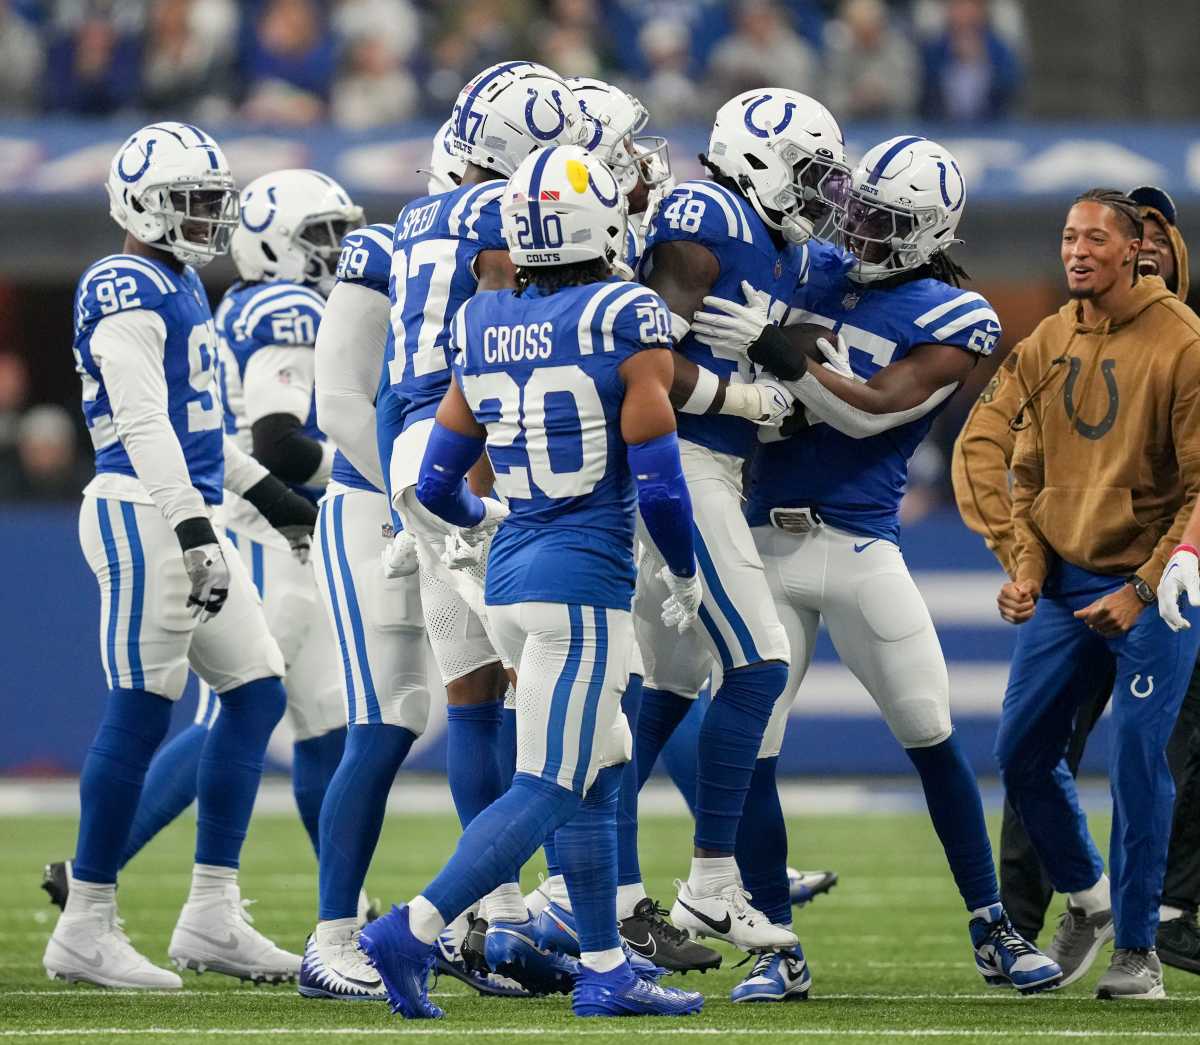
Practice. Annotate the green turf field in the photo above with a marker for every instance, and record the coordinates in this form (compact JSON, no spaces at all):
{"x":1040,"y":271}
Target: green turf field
{"x":888,"y":951}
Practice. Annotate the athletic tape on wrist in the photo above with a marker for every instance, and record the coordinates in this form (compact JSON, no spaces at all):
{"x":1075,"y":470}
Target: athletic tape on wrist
{"x":707,"y":387}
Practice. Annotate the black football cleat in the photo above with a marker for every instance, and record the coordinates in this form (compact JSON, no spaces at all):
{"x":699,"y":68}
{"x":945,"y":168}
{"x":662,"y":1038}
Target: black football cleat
{"x":649,"y":934}
{"x":56,"y":880}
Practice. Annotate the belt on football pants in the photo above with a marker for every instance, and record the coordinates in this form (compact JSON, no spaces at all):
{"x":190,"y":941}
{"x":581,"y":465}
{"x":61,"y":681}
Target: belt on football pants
{"x":795,"y":520}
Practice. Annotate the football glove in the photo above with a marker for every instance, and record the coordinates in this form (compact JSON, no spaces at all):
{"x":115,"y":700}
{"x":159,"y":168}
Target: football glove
{"x":466,"y":545}
{"x":205,"y":565}
{"x":837,"y":355}
{"x":680,"y":608}
{"x":777,"y":402}
{"x":733,"y":326}
{"x":1181,"y":577}
{"x":289,"y":513}
{"x":400,"y":557}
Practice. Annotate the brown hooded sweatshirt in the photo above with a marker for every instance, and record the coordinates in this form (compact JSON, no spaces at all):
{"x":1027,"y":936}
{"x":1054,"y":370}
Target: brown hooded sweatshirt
{"x":984,"y":448}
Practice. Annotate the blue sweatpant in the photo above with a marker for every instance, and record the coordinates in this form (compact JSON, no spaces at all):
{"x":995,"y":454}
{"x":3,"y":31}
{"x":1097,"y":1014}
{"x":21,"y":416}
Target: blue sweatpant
{"x":1153,"y":666}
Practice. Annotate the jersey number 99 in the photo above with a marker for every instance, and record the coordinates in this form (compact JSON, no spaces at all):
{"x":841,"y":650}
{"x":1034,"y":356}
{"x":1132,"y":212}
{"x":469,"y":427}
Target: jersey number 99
{"x":523,"y":410}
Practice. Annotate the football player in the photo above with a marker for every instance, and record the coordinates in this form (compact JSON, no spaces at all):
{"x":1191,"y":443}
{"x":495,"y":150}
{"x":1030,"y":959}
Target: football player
{"x":173,"y":591}
{"x":566,"y":382}
{"x":824,"y":504}
{"x":446,"y":248}
{"x":776,"y":159}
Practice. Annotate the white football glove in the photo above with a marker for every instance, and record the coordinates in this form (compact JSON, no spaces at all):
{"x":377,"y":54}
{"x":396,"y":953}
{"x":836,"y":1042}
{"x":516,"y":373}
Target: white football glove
{"x":733,"y":326}
{"x":209,"y":573}
{"x":680,"y":608}
{"x":837,"y":355}
{"x":465,"y":545}
{"x":1181,"y":577}
{"x":400,"y":557}
{"x":777,"y":402}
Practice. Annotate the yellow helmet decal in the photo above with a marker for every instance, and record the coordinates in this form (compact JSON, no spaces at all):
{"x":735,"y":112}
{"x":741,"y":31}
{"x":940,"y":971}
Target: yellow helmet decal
{"x":577,"y":175}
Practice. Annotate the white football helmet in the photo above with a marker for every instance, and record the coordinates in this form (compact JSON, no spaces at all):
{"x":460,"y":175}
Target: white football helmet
{"x":905,"y":199}
{"x":619,"y":118}
{"x":786,"y":153}
{"x":512,"y":108}
{"x":291,"y":228}
{"x":562,"y":205}
{"x":170,"y":186}
{"x":446,"y":166}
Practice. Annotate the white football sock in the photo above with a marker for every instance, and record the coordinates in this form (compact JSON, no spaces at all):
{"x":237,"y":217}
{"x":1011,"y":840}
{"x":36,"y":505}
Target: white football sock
{"x":602,"y":961}
{"x":628,"y":897}
{"x":87,"y":896}
{"x":424,"y":920}
{"x":556,"y":888}
{"x":1095,"y":899}
{"x":209,"y":881}
{"x":1166,"y":913}
{"x":710,"y":874}
{"x":537,"y":901}
{"x":459,"y":928}
{"x":506,"y":904}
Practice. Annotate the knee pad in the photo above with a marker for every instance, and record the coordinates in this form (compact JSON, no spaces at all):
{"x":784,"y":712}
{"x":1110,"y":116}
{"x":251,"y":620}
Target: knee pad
{"x":754,"y":688}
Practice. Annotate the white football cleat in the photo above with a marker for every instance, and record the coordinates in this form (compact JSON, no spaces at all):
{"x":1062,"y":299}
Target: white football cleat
{"x":92,"y":948}
{"x":217,"y":935}
{"x":334,"y":967}
{"x":728,"y":916}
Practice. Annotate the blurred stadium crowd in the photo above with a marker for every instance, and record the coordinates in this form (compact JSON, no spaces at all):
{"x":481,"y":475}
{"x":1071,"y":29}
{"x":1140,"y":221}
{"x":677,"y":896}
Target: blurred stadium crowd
{"x":364,"y":63}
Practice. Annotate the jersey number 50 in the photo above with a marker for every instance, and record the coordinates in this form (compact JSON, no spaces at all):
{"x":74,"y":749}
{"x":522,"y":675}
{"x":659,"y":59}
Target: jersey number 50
{"x":524,"y":410}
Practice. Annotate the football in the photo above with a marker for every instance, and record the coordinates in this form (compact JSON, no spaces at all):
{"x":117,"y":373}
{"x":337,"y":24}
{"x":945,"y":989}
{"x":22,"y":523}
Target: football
{"x":784,"y":356}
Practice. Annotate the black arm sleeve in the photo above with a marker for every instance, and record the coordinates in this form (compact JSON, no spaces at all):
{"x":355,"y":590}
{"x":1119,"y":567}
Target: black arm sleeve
{"x":285,"y":451}
{"x":774,"y":350}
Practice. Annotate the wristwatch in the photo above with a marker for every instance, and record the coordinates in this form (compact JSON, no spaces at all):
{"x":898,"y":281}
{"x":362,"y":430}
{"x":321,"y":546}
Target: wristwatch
{"x":1142,"y":590}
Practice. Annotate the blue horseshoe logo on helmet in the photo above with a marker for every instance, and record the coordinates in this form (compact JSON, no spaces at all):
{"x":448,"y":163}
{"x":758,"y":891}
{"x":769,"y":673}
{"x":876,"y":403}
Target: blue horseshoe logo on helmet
{"x":270,"y":213}
{"x":145,"y":162}
{"x":601,"y":197}
{"x":766,"y":132}
{"x":945,"y":195}
{"x":534,"y":129}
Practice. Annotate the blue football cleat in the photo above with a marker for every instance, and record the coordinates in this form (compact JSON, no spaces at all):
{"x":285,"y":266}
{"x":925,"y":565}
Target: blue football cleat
{"x":806,"y":886}
{"x":776,"y":976}
{"x":403,"y":963}
{"x":511,"y":950}
{"x":554,"y":930}
{"x":1005,"y":958}
{"x":620,"y":992}
{"x":449,"y":961}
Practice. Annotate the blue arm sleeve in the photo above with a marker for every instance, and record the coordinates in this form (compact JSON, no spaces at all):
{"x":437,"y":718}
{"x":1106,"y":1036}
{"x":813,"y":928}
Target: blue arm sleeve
{"x":440,"y":485}
{"x":664,"y":501}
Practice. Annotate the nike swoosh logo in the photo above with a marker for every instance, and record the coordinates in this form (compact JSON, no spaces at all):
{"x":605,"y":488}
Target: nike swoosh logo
{"x":722,"y":926}
{"x":224,"y":945}
{"x":864,"y":547}
{"x":648,"y":948}
{"x":96,"y":961}
{"x":368,"y":984}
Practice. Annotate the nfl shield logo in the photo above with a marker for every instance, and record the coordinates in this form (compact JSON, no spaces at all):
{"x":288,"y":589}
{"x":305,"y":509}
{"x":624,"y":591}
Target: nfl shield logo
{"x":850,"y":300}
{"x":778,"y":267}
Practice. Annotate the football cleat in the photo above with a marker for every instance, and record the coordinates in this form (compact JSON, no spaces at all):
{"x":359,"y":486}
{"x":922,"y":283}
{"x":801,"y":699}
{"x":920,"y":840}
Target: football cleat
{"x":776,"y":976}
{"x":648,"y":934}
{"x":1005,"y":958}
{"x":1078,"y":940}
{"x":92,"y":948}
{"x":334,"y":967}
{"x":806,"y":886}
{"x":1132,"y":975}
{"x":448,"y":960}
{"x":1178,"y":942}
{"x":217,"y":935}
{"x":403,"y":963}
{"x":554,"y":930}
{"x":728,"y":916}
{"x":56,"y":880}
{"x":512,"y":951}
{"x":620,"y":992}
{"x":536,"y":901}
{"x":368,"y":909}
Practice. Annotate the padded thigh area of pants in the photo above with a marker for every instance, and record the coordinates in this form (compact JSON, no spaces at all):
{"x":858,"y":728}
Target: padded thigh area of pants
{"x":891,"y":606}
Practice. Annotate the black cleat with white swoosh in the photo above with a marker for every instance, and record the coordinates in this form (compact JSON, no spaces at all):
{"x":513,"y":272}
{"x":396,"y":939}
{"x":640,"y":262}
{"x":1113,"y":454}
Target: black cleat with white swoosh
{"x":648,"y":932}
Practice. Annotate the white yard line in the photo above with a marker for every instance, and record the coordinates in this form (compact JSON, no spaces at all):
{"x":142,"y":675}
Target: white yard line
{"x":407,"y":1030}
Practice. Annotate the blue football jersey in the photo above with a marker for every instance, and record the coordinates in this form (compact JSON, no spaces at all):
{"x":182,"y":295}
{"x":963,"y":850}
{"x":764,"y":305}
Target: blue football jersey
{"x":252,"y":316}
{"x":366,"y":259}
{"x":709,"y":214}
{"x":540,"y":372}
{"x":433,"y":254}
{"x":125,"y":283}
{"x":856,"y":484}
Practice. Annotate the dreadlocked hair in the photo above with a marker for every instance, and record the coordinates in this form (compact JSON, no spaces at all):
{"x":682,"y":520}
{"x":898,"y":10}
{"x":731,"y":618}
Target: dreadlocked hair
{"x":941,"y":267}
{"x":1126,"y":208}
{"x":718,"y":176}
{"x":549,"y":278}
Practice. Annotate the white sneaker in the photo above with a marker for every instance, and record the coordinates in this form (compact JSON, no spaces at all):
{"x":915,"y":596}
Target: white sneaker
{"x":92,"y":948}
{"x":727,"y":915}
{"x":217,"y":935}
{"x":334,"y":967}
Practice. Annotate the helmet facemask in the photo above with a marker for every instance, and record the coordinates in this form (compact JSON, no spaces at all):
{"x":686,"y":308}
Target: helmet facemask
{"x":320,"y":240}
{"x":810,"y":205}
{"x":199,"y":215}
{"x":883,"y":236}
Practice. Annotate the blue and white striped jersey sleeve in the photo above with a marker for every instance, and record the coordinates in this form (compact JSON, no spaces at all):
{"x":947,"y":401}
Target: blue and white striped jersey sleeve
{"x":476,"y":216}
{"x":366,"y":257}
{"x":963,"y":318}
{"x":623,"y":318}
{"x":120,"y":283}
{"x":701,"y":212}
{"x":280,"y":314}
